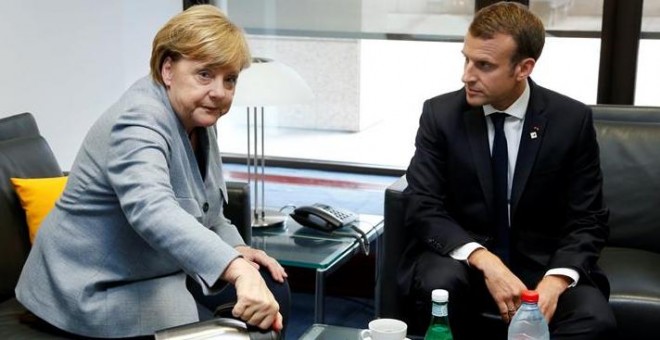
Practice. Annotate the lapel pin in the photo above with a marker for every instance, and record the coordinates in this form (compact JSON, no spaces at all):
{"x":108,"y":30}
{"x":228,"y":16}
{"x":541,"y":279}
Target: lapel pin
{"x":534,"y":134}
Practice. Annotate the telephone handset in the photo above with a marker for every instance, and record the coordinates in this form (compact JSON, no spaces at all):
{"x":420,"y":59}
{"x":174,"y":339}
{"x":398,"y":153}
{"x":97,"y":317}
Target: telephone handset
{"x":323,"y":217}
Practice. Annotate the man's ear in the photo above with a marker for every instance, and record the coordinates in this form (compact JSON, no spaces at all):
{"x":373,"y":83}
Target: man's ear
{"x":166,"y":71}
{"x":525,"y":68}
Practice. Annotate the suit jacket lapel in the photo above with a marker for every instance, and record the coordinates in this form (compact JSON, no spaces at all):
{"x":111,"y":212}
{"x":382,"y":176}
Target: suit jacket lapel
{"x":478,"y":139}
{"x":530,"y":141}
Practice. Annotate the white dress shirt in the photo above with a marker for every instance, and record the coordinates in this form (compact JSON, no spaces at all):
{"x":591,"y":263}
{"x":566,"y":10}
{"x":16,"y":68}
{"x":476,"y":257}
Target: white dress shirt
{"x":513,"y":125}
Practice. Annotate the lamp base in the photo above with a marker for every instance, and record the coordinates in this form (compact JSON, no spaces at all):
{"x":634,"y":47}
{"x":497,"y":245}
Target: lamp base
{"x":269,"y":218}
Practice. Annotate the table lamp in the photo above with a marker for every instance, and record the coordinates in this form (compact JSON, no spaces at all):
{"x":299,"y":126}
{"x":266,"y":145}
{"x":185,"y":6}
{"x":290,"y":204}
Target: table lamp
{"x":266,"y":83}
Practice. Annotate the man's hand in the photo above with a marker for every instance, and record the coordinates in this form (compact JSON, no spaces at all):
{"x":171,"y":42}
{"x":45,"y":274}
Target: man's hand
{"x":549,"y":289}
{"x":503,"y":285}
{"x":258,"y":257}
{"x":255,"y":304}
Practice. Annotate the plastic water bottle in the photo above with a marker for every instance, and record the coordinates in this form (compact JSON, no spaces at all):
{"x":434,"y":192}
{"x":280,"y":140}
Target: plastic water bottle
{"x":529,"y":322}
{"x":439,"y":328}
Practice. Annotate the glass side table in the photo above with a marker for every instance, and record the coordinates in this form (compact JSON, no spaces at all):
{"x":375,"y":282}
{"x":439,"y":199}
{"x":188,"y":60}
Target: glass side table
{"x":298,"y":246}
{"x":328,"y":332}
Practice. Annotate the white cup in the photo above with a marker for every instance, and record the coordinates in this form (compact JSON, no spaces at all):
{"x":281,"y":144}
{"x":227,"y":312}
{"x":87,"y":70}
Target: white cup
{"x":385,"y":329}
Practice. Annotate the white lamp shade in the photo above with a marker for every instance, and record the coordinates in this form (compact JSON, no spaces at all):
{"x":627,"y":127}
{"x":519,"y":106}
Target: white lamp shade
{"x":269,"y":83}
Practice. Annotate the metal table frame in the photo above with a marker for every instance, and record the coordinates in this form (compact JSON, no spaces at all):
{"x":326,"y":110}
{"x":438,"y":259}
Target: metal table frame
{"x":348,"y":247}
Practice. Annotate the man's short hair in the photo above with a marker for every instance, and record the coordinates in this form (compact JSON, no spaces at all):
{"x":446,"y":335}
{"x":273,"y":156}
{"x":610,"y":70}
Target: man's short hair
{"x":515,"y":20}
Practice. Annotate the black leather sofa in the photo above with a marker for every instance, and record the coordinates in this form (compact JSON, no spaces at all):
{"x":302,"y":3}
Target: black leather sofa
{"x":629,"y":139}
{"x":25,"y":153}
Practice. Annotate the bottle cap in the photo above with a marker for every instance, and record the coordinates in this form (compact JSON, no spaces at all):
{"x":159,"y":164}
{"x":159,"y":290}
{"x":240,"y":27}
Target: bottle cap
{"x":530,"y":296}
{"x":439,"y":295}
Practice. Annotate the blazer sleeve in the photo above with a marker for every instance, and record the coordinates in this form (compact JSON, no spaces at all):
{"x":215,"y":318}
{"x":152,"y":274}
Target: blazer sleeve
{"x":427,"y":190}
{"x":586,"y":230}
{"x":139,"y":173}
{"x":228,"y":232}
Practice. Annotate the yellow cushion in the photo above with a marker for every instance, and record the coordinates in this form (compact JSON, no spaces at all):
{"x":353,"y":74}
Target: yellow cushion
{"x":38,"y":196}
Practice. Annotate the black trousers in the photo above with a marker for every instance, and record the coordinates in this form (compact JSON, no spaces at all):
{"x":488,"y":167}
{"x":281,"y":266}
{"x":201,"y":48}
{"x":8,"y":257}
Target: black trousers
{"x":207,"y":304}
{"x":582,"y":311}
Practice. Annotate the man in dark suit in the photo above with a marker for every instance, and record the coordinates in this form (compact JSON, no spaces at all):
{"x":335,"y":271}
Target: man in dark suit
{"x":505,"y":192}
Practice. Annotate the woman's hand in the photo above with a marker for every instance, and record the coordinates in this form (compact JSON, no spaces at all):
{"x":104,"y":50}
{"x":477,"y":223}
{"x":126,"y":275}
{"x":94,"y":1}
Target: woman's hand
{"x":259,"y":258}
{"x":255,"y":304}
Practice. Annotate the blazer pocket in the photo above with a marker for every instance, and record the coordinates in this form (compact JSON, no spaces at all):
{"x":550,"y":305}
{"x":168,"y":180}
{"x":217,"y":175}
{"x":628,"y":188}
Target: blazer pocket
{"x":549,"y":170}
{"x":190,"y":206}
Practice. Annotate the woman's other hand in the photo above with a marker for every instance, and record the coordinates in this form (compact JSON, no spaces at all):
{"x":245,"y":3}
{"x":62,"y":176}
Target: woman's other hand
{"x":259,"y":258}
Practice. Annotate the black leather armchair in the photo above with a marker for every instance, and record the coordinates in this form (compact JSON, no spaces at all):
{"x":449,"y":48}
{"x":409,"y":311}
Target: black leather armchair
{"x":25,"y":153}
{"x":629,"y":140}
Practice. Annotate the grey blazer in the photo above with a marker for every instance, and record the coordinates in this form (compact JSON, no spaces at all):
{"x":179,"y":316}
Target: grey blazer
{"x":136,"y":216}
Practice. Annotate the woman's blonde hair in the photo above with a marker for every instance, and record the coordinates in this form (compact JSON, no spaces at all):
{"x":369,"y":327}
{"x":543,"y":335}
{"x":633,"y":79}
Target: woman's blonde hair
{"x":201,"y":33}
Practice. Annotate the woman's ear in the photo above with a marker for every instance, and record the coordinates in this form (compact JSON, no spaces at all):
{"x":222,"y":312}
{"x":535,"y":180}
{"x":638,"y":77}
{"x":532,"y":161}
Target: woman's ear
{"x":166,"y":71}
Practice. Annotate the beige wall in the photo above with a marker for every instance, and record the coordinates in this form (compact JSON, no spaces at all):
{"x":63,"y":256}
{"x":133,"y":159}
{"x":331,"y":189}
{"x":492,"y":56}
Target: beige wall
{"x":66,"y":61}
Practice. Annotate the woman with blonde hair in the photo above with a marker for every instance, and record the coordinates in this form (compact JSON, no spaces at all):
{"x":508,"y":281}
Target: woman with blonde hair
{"x":142,"y":212}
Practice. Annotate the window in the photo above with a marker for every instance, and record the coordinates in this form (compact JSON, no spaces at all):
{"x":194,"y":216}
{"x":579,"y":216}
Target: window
{"x":569,"y":15}
{"x":372,"y":63}
{"x":651,"y":17}
{"x":648,"y":70}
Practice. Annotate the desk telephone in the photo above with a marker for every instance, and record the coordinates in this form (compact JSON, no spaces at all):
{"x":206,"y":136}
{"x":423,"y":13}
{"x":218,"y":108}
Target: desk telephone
{"x":323,"y":217}
{"x":328,"y":219}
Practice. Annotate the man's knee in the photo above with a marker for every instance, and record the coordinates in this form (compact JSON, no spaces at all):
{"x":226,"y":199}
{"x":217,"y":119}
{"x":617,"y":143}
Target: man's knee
{"x":584,"y":313}
{"x":605,"y":326}
{"x":435,"y":271}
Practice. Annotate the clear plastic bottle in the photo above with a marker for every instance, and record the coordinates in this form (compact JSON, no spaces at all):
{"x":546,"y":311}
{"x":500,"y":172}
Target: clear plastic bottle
{"x":529,"y":322}
{"x":439,"y":328}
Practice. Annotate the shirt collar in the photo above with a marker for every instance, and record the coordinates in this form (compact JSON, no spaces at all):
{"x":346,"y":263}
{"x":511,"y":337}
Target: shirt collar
{"x":517,"y":109}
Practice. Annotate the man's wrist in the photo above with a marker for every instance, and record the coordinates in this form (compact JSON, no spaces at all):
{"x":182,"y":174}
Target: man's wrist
{"x":463,"y":252}
{"x":570,"y":274}
{"x":476,"y":258}
{"x":558,"y":283}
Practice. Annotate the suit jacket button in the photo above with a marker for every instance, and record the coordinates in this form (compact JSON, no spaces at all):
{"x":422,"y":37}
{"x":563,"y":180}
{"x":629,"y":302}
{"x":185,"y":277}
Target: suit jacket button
{"x":205,"y":207}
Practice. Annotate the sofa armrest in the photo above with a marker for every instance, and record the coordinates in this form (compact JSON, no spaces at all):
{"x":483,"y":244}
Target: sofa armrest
{"x":395,"y":240}
{"x":18,"y":126}
{"x":238,"y":209}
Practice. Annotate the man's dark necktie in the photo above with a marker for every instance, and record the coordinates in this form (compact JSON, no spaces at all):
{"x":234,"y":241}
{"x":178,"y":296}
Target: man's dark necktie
{"x":500,"y":164}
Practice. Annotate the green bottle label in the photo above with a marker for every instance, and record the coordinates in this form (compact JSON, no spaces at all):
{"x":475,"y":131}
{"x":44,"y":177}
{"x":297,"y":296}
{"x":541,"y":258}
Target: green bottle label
{"x":439,"y":309}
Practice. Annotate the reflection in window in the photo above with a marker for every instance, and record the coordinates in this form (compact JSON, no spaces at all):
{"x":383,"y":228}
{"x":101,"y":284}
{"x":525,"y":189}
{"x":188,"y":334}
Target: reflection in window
{"x":651,"y":16}
{"x":352,"y":18}
{"x":569,"y":15}
{"x":372,"y":63}
{"x":648,"y":69}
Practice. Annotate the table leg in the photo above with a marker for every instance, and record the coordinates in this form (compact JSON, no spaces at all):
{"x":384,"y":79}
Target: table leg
{"x":319,"y":297}
{"x":379,"y":269}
